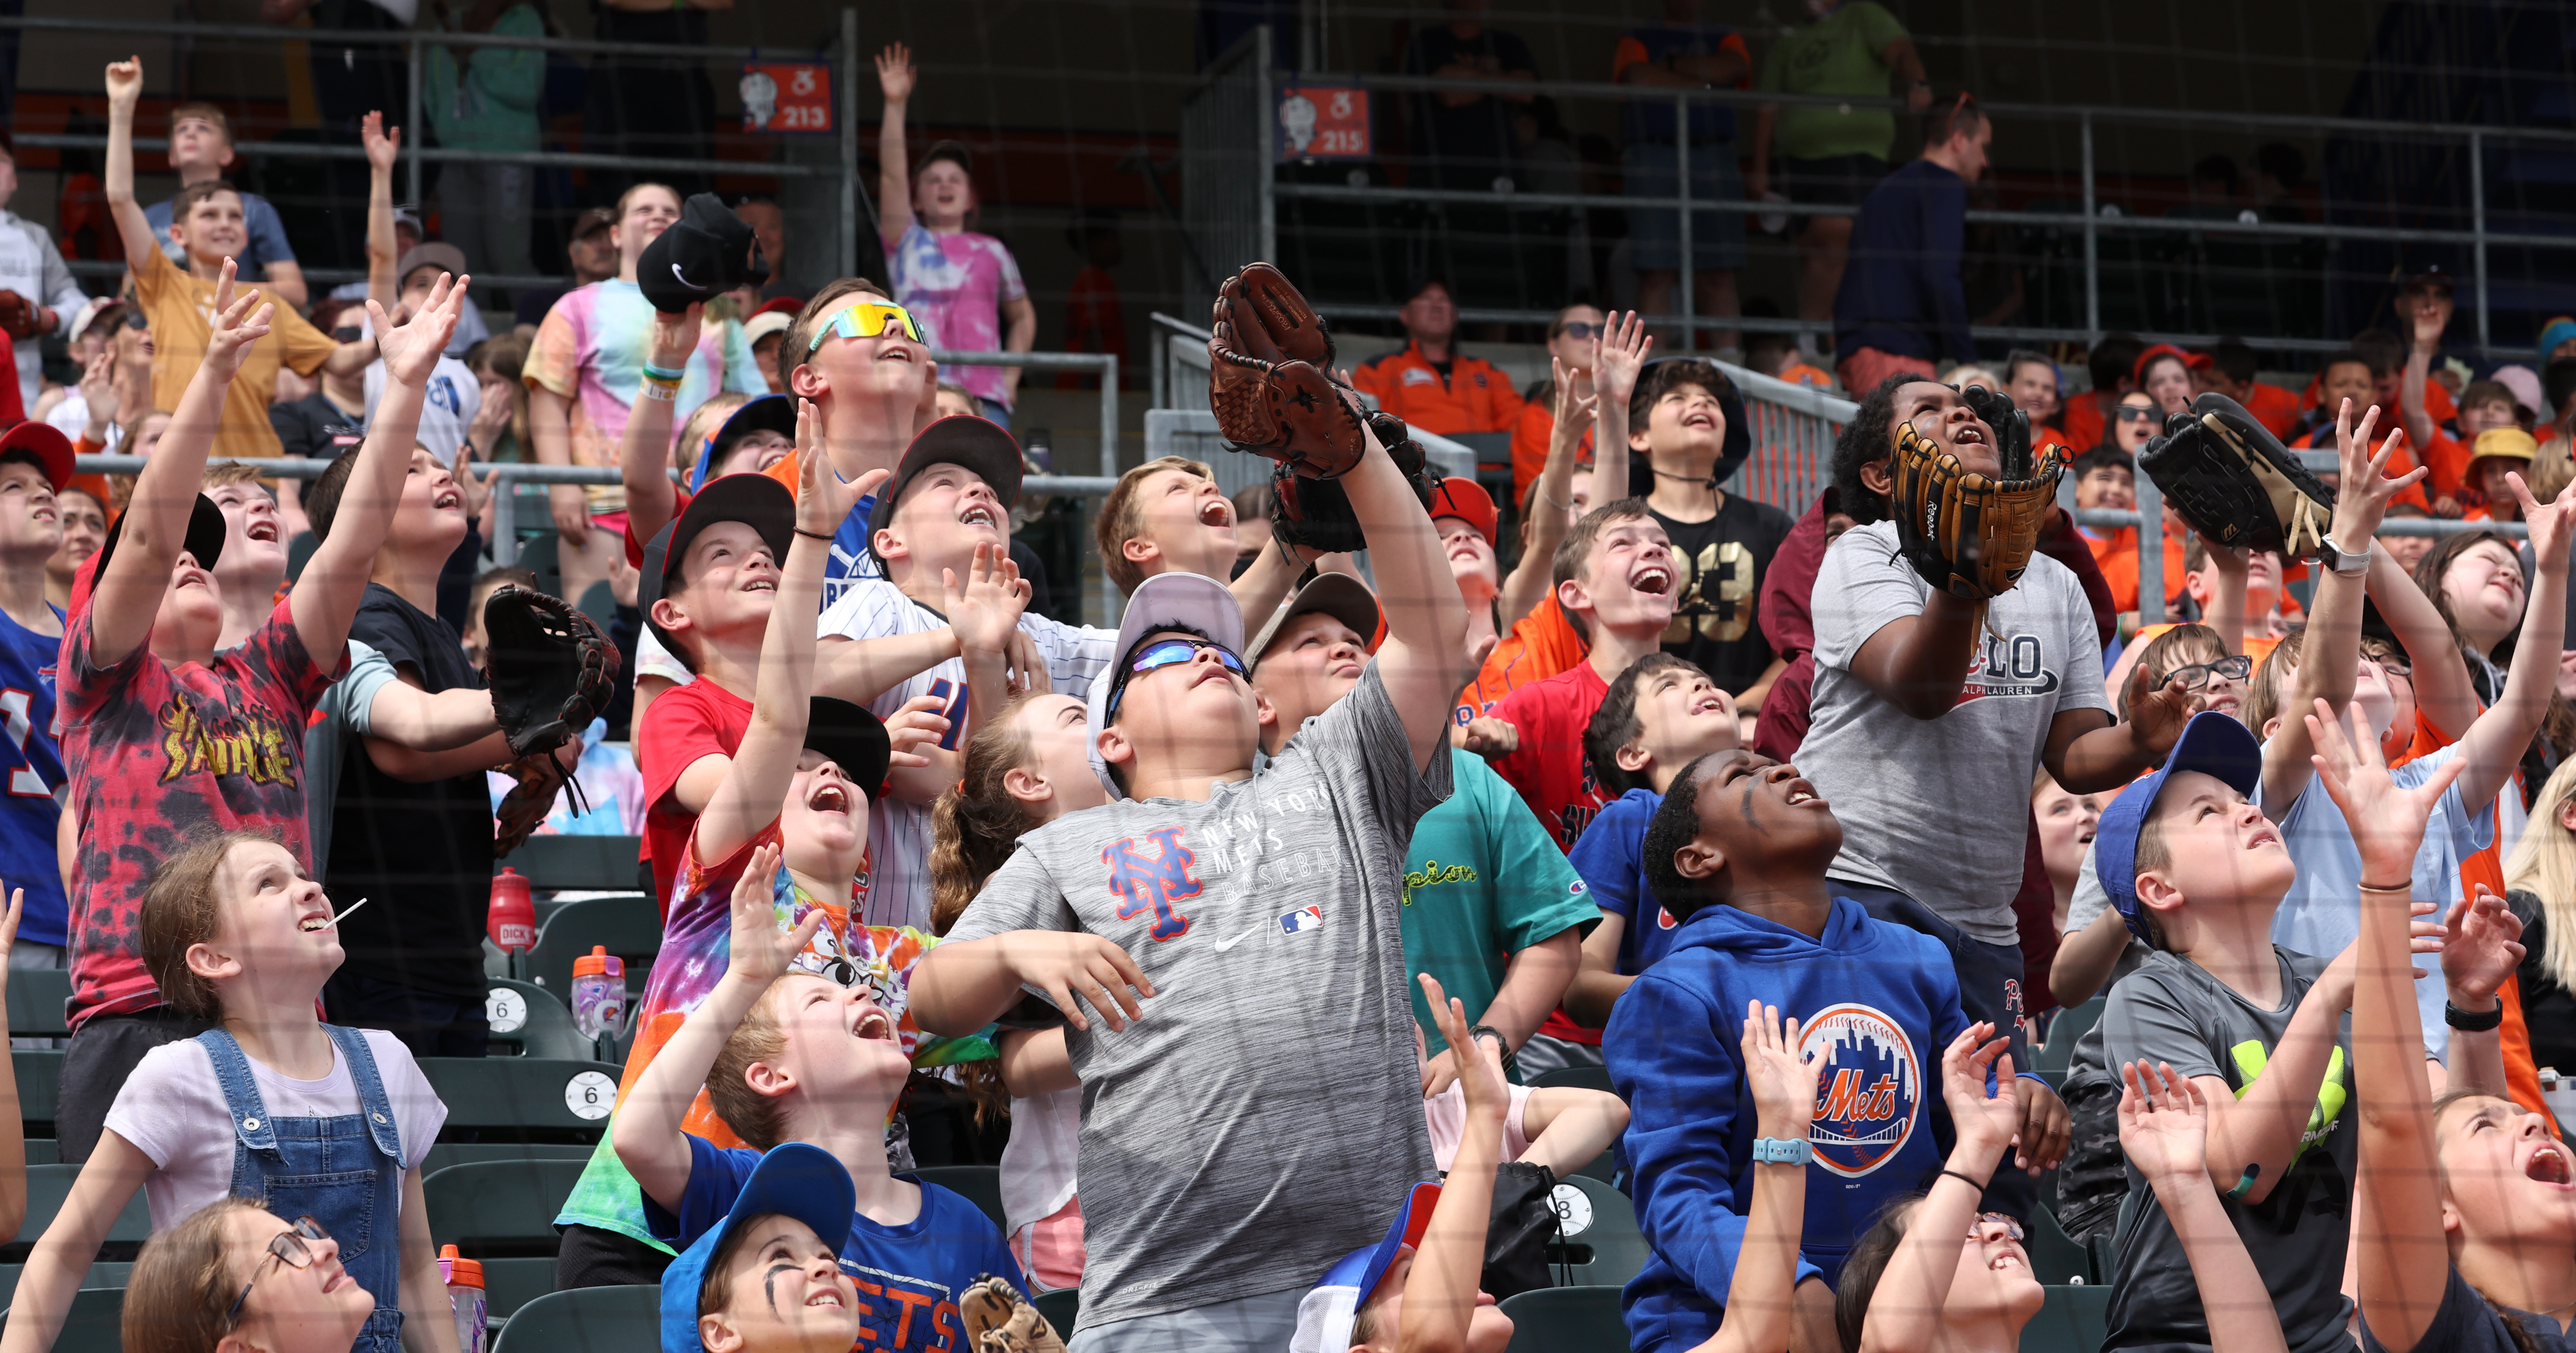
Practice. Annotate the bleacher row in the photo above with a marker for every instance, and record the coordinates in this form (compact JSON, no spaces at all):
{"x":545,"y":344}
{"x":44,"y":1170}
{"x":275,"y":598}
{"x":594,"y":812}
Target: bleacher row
{"x":522,"y":1122}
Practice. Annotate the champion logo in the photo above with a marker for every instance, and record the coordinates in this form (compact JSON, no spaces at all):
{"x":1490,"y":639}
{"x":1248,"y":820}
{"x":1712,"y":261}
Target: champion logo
{"x":1869,"y":1090}
{"x":1664,"y":919}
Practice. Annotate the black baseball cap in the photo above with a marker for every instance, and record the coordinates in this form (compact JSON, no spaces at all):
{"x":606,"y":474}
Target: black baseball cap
{"x":205,"y":544}
{"x":852,"y":737}
{"x":978,"y":444}
{"x":756,"y":500}
{"x":706,"y":253}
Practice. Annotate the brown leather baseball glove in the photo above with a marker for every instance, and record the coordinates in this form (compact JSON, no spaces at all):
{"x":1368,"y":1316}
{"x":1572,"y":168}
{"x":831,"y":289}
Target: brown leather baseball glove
{"x":19,"y":316}
{"x":999,"y":1320}
{"x":1270,"y":380}
{"x":540,"y":778}
{"x":1968,"y":534}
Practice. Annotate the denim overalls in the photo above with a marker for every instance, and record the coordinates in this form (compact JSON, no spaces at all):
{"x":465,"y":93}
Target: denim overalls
{"x":344,"y":1172}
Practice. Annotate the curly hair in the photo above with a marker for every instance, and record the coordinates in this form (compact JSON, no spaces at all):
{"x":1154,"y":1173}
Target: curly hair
{"x":1864,"y":441}
{"x":1674,"y":825}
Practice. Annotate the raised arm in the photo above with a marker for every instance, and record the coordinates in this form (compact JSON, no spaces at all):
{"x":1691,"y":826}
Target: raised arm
{"x":644,"y":452}
{"x":1905,"y":1311}
{"x":124,"y":90}
{"x":2163,"y":1121}
{"x":646,"y":1132}
{"x":2424,"y":327}
{"x":1441,"y":1293}
{"x":1426,"y":618}
{"x":1535,"y":576}
{"x":2495,"y":743}
{"x":383,"y":246}
{"x":983,"y":612}
{"x":128,"y":594}
{"x":2227,"y":595}
{"x":2331,"y":652}
{"x":2443,"y":693}
{"x":1760,"y":1305}
{"x":1617,"y":356}
{"x":894,"y":165}
{"x":326,"y":595}
{"x":61,"y":1257}
{"x":2481,"y":949}
{"x":1598,"y":983}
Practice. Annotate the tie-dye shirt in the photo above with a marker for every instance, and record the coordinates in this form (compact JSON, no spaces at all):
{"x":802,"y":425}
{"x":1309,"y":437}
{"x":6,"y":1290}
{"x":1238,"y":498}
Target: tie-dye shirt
{"x":697,"y":946}
{"x":591,"y":350}
{"x":955,"y":284}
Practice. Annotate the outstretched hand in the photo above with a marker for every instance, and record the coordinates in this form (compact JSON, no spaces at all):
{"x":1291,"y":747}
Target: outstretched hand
{"x":2548,"y":523}
{"x":2158,"y":711}
{"x":2164,"y":1125}
{"x":1618,"y":355}
{"x":411,"y":349}
{"x":917,"y":724}
{"x":895,"y":74}
{"x":675,"y":337}
{"x":1479,"y":1068}
{"x":2363,"y":491}
{"x":1986,"y":1120}
{"x":1779,"y":1072}
{"x":2481,"y":948}
{"x":1573,"y":413}
{"x":239,"y":322}
{"x":124,"y":84}
{"x":383,"y":146}
{"x":823,"y":499}
{"x":2387,"y":822}
{"x":761,"y":952}
{"x":984,"y":612}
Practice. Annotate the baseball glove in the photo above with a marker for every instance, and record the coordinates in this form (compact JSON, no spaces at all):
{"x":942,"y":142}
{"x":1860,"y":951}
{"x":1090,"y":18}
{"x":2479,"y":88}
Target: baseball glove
{"x":540,"y":778}
{"x":19,"y":316}
{"x":2011,"y":425}
{"x":1969,"y":534}
{"x":1317,"y":514}
{"x":2235,"y":483}
{"x":552,"y":669}
{"x":999,"y":1320}
{"x":1270,"y":379}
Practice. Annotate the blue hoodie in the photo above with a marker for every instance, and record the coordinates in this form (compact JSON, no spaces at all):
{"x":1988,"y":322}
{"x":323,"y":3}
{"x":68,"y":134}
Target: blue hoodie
{"x":1880,"y":1002}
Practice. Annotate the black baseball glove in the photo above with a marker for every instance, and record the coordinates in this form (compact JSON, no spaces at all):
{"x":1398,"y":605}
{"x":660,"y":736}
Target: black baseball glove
{"x":2234,"y":482}
{"x":552,"y":669}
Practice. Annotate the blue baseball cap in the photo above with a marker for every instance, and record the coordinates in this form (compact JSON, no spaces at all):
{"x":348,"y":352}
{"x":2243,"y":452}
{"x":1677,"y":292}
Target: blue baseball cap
{"x":1325,"y":1316}
{"x":793,"y":1179}
{"x":2211,"y":743}
{"x":766,"y":413}
{"x":2557,"y":331}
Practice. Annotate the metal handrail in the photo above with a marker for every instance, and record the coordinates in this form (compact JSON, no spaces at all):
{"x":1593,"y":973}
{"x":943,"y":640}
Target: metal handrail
{"x":275,"y":33}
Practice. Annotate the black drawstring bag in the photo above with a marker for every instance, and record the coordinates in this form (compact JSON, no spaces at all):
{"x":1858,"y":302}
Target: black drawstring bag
{"x":1517,"y":1235}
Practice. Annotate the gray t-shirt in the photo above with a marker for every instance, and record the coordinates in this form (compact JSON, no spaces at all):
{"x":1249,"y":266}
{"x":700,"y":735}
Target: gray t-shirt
{"x":2171,"y":1011}
{"x":1934,"y":808}
{"x":1263,"y":1118}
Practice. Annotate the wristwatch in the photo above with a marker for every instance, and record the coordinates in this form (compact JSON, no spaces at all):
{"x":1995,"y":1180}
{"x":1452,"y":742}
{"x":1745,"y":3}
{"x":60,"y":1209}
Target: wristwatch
{"x":1780,"y":1151}
{"x":2344,"y":562}
{"x":1511,"y":1063}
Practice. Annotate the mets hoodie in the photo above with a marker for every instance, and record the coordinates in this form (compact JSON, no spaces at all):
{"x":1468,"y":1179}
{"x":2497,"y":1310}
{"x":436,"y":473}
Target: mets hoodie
{"x":1878,"y":1003}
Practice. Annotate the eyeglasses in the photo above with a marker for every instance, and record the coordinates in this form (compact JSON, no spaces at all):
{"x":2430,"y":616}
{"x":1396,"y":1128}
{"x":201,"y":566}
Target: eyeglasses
{"x":2012,"y":1229}
{"x":1582,"y":328}
{"x":2135,"y":415}
{"x":2389,"y":664}
{"x":288,"y":1247}
{"x":867,"y":319}
{"x":1170,"y":653}
{"x":2197,"y":675}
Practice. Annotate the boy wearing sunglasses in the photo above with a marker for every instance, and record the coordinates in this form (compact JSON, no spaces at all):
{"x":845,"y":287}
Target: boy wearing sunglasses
{"x":863,"y":362}
{"x":1265,"y":909}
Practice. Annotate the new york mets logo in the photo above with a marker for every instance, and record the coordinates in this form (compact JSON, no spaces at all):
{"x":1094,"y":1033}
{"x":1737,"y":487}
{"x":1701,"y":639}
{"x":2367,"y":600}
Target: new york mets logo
{"x":1156,"y":883}
{"x":1869,"y":1092}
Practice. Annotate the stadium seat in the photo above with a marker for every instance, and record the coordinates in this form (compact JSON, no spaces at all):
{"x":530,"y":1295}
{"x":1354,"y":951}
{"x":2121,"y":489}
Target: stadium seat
{"x":592,"y":863}
{"x":978,"y":1184}
{"x":44,"y":1151}
{"x":586,"y":1320}
{"x":36,"y":999}
{"x":93,"y":1325}
{"x":1601,"y":1245}
{"x":1555,"y":1319}
{"x":443,"y":1154}
{"x":47,"y":1187}
{"x":509,"y":1284}
{"x":2072,"y":1320}
{"x":2071,"y":1025}
{"x":532,"y":1099}
{"x":99,"y":1275}
{"x":529,"y":1021}
{"x":40,"y":1084}
{"x":2054,"y":1258}
{"x":1060,"y":1309}
{"x":630,"y":927}
{"x":499,"y":1208}
{"x":537,"y":542}
{"x":1577,"y":1077}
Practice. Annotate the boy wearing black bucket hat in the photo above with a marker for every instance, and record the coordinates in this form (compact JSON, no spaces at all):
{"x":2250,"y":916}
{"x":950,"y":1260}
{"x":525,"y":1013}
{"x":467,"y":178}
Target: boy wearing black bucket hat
{"x":164,"y":736}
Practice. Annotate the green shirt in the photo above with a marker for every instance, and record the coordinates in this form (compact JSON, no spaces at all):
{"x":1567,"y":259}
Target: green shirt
{"x":1837,"y":54}
{"x":1482,"y":881}
{"x":491,"y":104}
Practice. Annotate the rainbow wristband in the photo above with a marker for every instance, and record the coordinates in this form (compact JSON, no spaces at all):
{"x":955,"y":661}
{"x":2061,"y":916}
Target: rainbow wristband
{"x":657,"y":373}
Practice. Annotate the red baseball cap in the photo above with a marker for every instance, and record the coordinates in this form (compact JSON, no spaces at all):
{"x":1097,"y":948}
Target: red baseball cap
{"x":1462,"y":497}
{"x":2148,"y":358}
{"x":47,"y":444}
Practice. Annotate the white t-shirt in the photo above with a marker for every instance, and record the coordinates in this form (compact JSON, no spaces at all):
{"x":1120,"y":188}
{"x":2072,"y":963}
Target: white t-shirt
{"x":1446,"y":1115}
{"x":898,"y":890}
{"x":172,"y":1109}
{"x":1038,"y":1163}
{"x":447,"y":405}
{"x":654,"y":660}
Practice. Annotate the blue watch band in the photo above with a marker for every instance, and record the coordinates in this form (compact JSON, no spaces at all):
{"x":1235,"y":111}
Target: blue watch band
{"x":1782,"y":1151}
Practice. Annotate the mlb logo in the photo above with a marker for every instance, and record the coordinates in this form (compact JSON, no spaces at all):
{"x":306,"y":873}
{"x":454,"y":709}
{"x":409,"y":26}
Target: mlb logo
{"x":1870,"y":1089}
{"x":1414,"y":375}
{"x":1303,"y":919}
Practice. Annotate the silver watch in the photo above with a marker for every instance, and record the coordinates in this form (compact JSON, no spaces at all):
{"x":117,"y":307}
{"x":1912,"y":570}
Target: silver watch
{"x":2345,"y":562}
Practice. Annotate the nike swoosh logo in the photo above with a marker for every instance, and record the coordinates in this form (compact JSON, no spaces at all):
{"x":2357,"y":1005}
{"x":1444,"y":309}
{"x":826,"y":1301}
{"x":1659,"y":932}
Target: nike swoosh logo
{"x":1233,"y":940}
{"x":684,"y":279}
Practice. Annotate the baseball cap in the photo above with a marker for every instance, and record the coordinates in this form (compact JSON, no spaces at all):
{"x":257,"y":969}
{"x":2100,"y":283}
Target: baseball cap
{"x":954,"y":151}
{"x":769,"y":413}
{"x":979,"y":444}
{"x":2506,"y":443}
{"x":205,"y":544}
{"x":853,"y":738}
{"x":2138,"y":369}
{"x":1462,"y":497}
{"x":2552,"y":334}
{"x":759,"y":501}
{"x":707,"y":252}
{"x":764,"y":324}
{"x":2433,"y":277}
{"x":597,"y":218}
{"x":1164,"y":601}
{"x":434,"y":254}
{"x":2211,"y":743}
{"x":1338,"y":595}
{"x":1325,"y":1315}
{"x":47,"y":444}
{"x":409,"y":216}
{"x":793,"y":1179}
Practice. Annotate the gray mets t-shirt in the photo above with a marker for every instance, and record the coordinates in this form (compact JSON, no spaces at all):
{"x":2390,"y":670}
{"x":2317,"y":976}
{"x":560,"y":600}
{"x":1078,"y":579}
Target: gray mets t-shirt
{"x":1935,"y":808}
{"x":1264,"y":1118}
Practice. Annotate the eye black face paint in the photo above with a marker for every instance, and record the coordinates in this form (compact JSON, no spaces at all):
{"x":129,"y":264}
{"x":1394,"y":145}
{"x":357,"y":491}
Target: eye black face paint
{"x":769,"y":1284}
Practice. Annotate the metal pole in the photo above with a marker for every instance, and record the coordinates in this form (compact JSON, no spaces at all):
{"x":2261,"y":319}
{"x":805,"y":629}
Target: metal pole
{"x":505,"y":524}
{"x":849,"y":74}
{"x":2478,"y":227}
{"x":1681,"y":167}
{"x":1265,"y":123}
{"x":413,"y":133}
{"x":1109,"y":413}
{"x":2151,"y":551}
{"x":2092,"y":243}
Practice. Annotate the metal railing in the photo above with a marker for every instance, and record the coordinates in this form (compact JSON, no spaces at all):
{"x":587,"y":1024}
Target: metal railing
{"x":1237,"y":174}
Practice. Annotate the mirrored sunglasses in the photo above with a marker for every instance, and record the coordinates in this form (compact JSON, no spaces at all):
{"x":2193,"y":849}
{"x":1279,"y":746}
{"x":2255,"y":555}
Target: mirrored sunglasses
{"x":867,"y":319}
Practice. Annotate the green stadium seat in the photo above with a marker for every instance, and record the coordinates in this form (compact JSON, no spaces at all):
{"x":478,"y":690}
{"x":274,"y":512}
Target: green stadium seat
{"x":1576,"y":1077}
{"x":95,"y":1322}
{"x":36,"y":999}
{"x":443,"y":1154}
{"x":531,"y":1099}
{"x":509,"y":1284}
{"x":586,"y":1320}
{"x":592,"y":863}
{"x":530,"y":1021}
{"x":500,"y":1208}
{"x":1601,"y":1245}
{"x":979,"y":1184}
{"x":40,"y":1085}
{"x":2072,"y":1320}
{"x":1060,"y":1310}
{"x":47,"y":1187}
{"x":1552,"y":1320}
{"x":44,"y":1151}
{"x":2054,"y":1257}
{"x":2071,"y":1025}
{"x":630,"y":927}
{"x":99,"y":1275}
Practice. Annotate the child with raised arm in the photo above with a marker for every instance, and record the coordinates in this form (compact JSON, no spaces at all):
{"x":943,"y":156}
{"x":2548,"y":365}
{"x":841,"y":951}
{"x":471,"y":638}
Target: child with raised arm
{"x":964,"y":286}
{"x":165,"y":737}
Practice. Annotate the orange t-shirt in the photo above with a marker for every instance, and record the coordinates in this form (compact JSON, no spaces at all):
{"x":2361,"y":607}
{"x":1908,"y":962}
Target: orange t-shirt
{"x":1541,"y":645}
{"x":2117,"y":556}
{"x":1808,"y":374}
{"x":2275,"y":408}
{"x":2400,"y":461}
{"x":2448,"y":458}
{"x":1475,"y":396}
{"x":1530,"y":435}
{"x":2082,"y":423}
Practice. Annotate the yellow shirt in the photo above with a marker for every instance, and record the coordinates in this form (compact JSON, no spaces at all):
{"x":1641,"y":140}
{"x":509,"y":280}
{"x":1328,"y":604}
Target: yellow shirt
{"x":180,"y":307}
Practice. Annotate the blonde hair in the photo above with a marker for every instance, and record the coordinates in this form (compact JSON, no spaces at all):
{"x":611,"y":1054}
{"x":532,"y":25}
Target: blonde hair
{"x":703,"y":422}
{"x":756,"y":1118}
{"x":2543,"y":864}
{"x":179,"y":1298}
{"x":1122,"y":519}
{"x":974,"y":828}
{"x":2551,"y":469}
{"x":182,"y":908}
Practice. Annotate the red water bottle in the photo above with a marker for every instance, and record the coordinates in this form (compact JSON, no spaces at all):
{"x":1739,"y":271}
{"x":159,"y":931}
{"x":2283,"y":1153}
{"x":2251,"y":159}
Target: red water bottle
{"x":513,"y":921}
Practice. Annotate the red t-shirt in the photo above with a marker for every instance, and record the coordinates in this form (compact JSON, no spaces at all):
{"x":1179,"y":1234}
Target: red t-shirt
{"x":159,"y":754}
{"x":1540,"y":645}
{"x":684,"y":724}
{"x":1548,"y":767}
